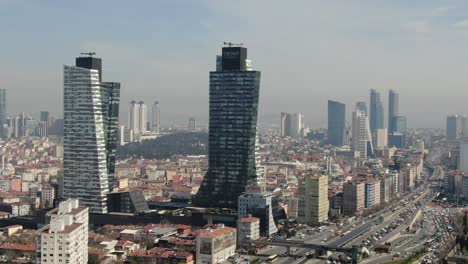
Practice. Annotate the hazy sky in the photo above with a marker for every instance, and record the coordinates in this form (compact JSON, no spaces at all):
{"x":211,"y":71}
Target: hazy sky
{"x":308,"y":52}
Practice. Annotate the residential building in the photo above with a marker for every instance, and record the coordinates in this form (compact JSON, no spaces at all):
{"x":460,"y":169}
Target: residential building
{"x":216,"y":245}
{"x":372,"y":193}
{"x":353,"y":197}
{"x":313,"y":199}
{"x":248,"y":228}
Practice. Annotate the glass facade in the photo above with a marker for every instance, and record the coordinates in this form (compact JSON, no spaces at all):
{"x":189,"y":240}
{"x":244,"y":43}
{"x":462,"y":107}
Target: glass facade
{"x":336,"y":123}
{"x":393,"y":99}
{"x":2,"y":106}
{"x":376,"y":111}
{"x":233,"y":113}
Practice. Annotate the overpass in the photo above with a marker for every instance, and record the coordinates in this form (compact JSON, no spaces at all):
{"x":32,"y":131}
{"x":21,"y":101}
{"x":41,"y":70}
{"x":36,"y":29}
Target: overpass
{"x":352,"y":235}
{"x":319,"y":249}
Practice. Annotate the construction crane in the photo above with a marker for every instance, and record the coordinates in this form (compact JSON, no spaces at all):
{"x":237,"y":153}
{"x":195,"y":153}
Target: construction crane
{"x":90,"y":54}
{"x":230,"y":44}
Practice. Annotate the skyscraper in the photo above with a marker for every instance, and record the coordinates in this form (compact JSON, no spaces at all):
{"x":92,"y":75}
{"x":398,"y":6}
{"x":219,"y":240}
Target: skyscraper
{"x":393,"y":99}
{"x":292,"y":124}
{"x":134,"y":117}
{"x":454,"y":127}
{"x":2,"y":106}
{"x":376,"y":114}
{"x":192,"y":126}
{"x":336,"y":123}
{"x":90,"y":127}
{"x":44,"y":116}
{"x":362,"y":106}
{"x":142,"y":117}
{"x":361,"y":143}
{"x":234,"y":95}
{"x":155,"y":117}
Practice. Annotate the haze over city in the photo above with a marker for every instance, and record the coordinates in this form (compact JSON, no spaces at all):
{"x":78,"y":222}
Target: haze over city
{"x":308,"y":52}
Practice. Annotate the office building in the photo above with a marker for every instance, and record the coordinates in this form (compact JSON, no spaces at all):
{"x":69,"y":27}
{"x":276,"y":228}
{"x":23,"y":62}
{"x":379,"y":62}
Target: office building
{"x":216,"y":245}
{"x":336,"y":123}
{"x":393,"y":101}
{"x":292,"y":125}
{"x":362,"y":142}
{"x":233,"y":110}
{"x":44,"y":116}
{"x":258,"y":203}
{"x":463,"y":158}
{"x":372,"y":193}
{"x":362,"y":106}
{"x":313,"y":199}
{"x":155,"y":117}
{"x":381,"y":138}
{"x":192,"y":126}
{"x":248,"y":228}
{"x":376,"y":114}
{"x":455,"y":127}
{"x":353,"y":197}
{"x":90,"y":62}
{"x":3,"y":115}
{"x":134,"y":117}
{"x":399,"y":126}
{"x":142,"y":117}
{"x":90,"y":116}
{"x":65,"y":239}
{"x":130,"y":202}
{"x":41,"y":129}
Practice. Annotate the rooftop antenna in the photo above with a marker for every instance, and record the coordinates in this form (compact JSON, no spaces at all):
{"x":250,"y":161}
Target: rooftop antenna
{"x":230,"y":44}
{"x":90,"y":54}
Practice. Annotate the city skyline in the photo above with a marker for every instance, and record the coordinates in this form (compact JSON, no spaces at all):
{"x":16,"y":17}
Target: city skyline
{"x":175,"y":55}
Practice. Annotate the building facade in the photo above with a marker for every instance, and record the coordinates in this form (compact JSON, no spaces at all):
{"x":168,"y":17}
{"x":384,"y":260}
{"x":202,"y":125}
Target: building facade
{"x":376,"y":114}
{"x":362,"y":142}
{"x":336,"y":123}
{"x":234,"y":95}
{"x":313,"y":199}
{"x":215,"y":246}
{"x":353,"y":197}
{"x":257,"y":203}
{"x":393,"y":101}
{"x":155,"y":116}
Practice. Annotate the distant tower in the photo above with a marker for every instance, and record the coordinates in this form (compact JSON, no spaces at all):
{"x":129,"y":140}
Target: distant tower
{"x":393,"y":99}
{"x":192,"y":127}
{"x":143,"y":117}
{"x":336,"y":123}
{"x":134,"y":117}
{"x":376,"y":115}
{"x":2,"y":106}
{"x":155,"y":117}
{"x":361,"y":143}
{"x":44,"y":116}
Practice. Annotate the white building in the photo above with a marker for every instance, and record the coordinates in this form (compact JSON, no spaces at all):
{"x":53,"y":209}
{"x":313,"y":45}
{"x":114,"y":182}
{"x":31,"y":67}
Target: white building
{"x":134,"y":117}
{"x":216,"y":245}
{"x":155,"y":117}
{"x":258,"y":203}
{"x":381,"y":138}
{"x":47,"y":196}
{"x":143,"y":117}
{"x":84,"y":164}
{"x":65,"y":239}
{"x":361,"y":143}
{"x":248,"y":228}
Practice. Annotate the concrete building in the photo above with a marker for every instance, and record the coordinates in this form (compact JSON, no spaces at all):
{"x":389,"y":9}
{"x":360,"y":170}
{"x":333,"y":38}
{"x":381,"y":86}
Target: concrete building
{"x":313,"y":199}
{"x":216,"y":245}
{"x":248,"y":228}
{"x":292,"y":124}
{"x":257,"y":203}
{"x":353,"y":197}
{"x":65,"y":239}
{"x":372,"y":193}
{"x":47,"y":196}
{"x":385,"y":189}
{"x":380,"y":138}
{"x":362,"y":142}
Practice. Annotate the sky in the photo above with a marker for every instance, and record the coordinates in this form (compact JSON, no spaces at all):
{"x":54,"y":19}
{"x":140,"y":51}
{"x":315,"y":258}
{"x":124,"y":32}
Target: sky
{"x":308,"y":52}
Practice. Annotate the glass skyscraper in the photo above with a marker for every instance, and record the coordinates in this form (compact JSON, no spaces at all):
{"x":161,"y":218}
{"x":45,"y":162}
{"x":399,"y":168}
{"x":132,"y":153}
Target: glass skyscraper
{"x":336,"y":123}
{"x":376,"y":111}
{"x":90,"y":135}
{"x":2,"y":106}
{"x":234,"y":95}
{"x":393,"y":99}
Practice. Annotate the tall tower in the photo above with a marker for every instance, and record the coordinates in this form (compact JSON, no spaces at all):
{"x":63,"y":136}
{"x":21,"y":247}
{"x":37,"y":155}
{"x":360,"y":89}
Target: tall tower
{"x":376,"y":114}
{"x":336,"y":123}
{"x":134,"y":117}
{"x":2,"y":106}
{"x":361,"y":143}
{"x":393,"y":99}
{"x":234,"y":95}
{"x":143,"y":117}
{"x":90,"y":129}
{"x":192,"y":125}
{"x":155,"y":117}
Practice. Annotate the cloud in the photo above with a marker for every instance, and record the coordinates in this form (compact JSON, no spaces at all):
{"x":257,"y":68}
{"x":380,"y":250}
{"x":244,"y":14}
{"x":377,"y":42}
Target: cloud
{"x":421,"y":27}
{"x":441,"y":11}
{"x":462,"y":24}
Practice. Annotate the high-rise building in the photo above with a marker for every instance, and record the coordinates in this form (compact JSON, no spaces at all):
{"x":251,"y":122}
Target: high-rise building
{"x":454,"y":127}
{"x":376,"y":114}
{"x":234,"y":94}
{"x":44,"y":116}
{"x":258,"y":203}
{"x":463,"y":159}
{"x":41,"y":129}
{"x":110,"y":95}
{"x":65,"y":239}
{"x":381,"y":138}
{"x":372,"y":193}
{"x":90,"y":114}
{"x":3,"y":115}
{"x":399,"y":123}
{"x":362,"y":142}
{"x":393,"y":100}
{"x":142,"y":117}
{"x":292,"y":124}
{"x":134,"y":117}
{"x":90,"y":62}
{"x":155,"y":114}
{"x":192,"y":126}
{"x":353,"y":197}
{"x":362,"y":106}
{"x":336,"y":123}
{"x":313,"y":199}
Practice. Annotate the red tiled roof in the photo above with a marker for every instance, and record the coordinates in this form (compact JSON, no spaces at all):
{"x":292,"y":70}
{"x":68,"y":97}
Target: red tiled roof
{"x":20,"y":247}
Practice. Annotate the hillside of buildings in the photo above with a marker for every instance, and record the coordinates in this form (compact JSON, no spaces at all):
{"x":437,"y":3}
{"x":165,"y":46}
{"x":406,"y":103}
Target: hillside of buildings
{"x":166,"y":146}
